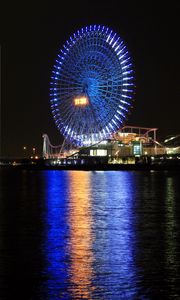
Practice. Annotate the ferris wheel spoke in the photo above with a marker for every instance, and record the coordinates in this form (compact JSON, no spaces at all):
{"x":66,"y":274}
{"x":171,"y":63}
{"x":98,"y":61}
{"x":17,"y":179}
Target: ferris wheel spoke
{"x":95,"y":117}
{"x":66,"y":109}
{"x":70,"y":120}
{"x":70,"y":76}
{"x":111,"y":93}
{"x":70,"y":94}
{"x":70,"y":88}
{"x":66,"y":80}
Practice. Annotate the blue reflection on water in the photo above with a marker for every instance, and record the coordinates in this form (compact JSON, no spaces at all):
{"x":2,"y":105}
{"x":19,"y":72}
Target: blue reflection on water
{"x":90,"y":236}
{"x":113,"y":195}
{"x":56,"y":227}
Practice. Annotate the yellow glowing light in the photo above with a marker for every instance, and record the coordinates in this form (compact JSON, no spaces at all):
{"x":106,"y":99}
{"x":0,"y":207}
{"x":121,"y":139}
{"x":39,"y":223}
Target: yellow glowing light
{"x":80,"y":101}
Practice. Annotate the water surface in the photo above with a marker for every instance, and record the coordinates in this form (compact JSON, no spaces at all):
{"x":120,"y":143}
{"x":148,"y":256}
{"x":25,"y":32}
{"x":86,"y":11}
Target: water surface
{"x":89,"y":235}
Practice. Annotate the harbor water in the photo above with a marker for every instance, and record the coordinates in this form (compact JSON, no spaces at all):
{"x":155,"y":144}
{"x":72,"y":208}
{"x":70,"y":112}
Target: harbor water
{"x":102,"y":235}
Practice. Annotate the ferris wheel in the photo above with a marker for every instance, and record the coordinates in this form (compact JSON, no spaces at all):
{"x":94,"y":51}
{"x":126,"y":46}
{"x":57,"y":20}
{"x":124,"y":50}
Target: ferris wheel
{"x":91,"y":87}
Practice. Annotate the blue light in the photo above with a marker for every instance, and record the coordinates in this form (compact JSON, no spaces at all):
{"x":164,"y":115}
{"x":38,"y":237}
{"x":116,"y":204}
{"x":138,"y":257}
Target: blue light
{"x":124,"y":61}
{"x":127,"y":66}
{"x":125,"y":96}
{"x":115,"y":42}
{"x":119,"y":46}
{"x":120,"y":112}
{"x":124,"y":102}
{"x":107,"y":29}
{"x":59,"y":62}
{"x":72,"y":133}
{"x":121,"y":51}
{"x":108,"y":37}
{"x":56,"y":67}
{"x":127,"y":72}
{"x":123,"y":108}
{"x":127,"y":84}
{"x":129,"y":91}
{"x":111,"y":126}
{"x":114,"y":122}
{"x":112,"y":39}
{"x":67,"y":49}
{"x":118,"y":118}
{"x":123,"y":55}
{"x":127,"y":78}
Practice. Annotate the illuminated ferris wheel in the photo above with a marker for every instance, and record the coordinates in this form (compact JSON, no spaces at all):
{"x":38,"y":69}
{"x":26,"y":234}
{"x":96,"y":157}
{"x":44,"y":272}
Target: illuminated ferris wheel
{"x":91,"y":85}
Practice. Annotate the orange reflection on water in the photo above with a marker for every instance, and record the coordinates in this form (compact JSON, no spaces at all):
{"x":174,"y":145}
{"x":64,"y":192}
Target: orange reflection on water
{"x":81,"y":238}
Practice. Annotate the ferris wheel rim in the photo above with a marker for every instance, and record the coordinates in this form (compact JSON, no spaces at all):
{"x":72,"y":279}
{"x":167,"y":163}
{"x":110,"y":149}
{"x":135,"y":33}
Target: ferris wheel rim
{"x":109,"y":93}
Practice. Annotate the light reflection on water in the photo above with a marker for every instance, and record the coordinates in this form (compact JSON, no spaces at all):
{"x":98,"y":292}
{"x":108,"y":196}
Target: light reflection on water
{"x":56,"y":232}
{"x":90,"y":245}
{"x":89,"y":235}
{"x":80,"y":235}
{"x":171,"y":237}
{"x":114,"y":245}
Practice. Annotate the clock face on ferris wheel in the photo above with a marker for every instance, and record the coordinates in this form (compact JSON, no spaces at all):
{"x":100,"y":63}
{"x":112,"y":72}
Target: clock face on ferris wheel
{"x":91,"y":85}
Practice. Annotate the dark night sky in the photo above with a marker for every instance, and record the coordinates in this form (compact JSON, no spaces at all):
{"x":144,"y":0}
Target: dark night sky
{"x":32,"y":36}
